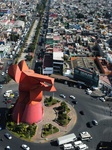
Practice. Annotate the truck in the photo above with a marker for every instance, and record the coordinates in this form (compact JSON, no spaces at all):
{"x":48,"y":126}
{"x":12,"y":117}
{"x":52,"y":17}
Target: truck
{"x":66,"y":139}
{"x":85,"y":136}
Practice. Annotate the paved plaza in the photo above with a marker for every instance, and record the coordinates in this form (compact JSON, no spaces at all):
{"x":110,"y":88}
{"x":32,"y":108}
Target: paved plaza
{"x":48,"y":117}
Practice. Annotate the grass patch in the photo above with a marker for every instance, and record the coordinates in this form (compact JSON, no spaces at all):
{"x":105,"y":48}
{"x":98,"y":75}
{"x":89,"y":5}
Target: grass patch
{"x":49,"y":129}
{"x":23,"y":130}
{"x":50,"y":101}
{"x":63,"y":119}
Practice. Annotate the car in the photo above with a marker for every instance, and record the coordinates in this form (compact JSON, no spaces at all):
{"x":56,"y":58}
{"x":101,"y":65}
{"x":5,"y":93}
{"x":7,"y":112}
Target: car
{"x":88,"y":91}
{"x":82,"y":112}
{"x":16,"y":94}
{"x":12,"y":95}
{"x":8,"y":101}
{"x":72,"y":97}
{"x":0,"y":128}
{"x":8,"y":93}
{"x":25,"y":147}
{"x":1,"y":86}
{"x":74,"y":102}
{"x":6,"y":71}
{"x":68,"y":146}
{"x":8,"y":136}
{"x":89,"y":124}
{"x":62,"y":95}
{"x":3,"y":73}
{"x":85,"y":136}
{"x":102,"y":99}
{"x":95,"y":122}
{"x":7,"y":148}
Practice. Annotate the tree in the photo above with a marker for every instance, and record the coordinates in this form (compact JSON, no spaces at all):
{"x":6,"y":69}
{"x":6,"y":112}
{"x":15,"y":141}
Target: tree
{"x":14,"y":37}
{"x":79,"y":15}
{"x":50,"y":126}
{"x":29,"y":57}
{"x":50,"y":98}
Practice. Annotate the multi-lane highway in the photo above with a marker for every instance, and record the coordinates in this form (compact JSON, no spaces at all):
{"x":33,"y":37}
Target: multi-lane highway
{"x":93,"y":109}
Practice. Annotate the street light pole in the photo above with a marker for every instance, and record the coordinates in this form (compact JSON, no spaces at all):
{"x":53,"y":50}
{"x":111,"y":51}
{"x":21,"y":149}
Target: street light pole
{"x":53,"y":95}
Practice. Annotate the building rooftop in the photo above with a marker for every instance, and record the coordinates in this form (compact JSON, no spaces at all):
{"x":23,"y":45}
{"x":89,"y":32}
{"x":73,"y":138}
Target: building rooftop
{"x":84,"y":62}
{"x":57,"y":55}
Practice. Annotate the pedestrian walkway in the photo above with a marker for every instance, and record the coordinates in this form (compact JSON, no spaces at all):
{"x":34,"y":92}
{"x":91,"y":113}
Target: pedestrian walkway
{"x":97,"y":93}
{"x":31,"y":35}
{"x":48,"y":117}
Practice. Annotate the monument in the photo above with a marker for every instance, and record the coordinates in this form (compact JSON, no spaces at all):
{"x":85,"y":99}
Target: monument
{"x":28,"y":107}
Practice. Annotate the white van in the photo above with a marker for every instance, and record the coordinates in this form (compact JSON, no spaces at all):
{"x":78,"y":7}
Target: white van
{"x":77,"y":143}
{"x":88,"y":91}
{"x":68,"y":146}
{"x":7,"y":93}
{"x":82,"y":147}
{"x":85,"y":136}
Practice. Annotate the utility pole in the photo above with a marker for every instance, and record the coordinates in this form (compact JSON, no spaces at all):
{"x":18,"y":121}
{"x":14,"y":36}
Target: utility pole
{"x":53,"y":95}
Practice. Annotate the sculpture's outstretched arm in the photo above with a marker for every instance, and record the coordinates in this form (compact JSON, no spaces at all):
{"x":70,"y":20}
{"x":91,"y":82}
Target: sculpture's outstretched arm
{"x":43,"y":78}
{"x":14,"y":72}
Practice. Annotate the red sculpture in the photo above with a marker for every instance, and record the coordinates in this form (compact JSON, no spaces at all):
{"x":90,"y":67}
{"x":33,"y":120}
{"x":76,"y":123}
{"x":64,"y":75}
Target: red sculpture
{"x":28,"y":107}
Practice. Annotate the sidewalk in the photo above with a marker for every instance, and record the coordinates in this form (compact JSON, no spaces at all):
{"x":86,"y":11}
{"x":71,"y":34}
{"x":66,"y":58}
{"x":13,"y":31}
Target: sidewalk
{"x":31,"y":35}
{"x":49,"y":116}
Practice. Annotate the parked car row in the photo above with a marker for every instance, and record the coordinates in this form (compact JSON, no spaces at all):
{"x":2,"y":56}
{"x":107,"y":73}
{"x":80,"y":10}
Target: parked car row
{"x":23,"y":146}
{"x":9,"y":137}
{"x":70,"y":141}
{"x":89,"y":92}
{"x":71,"y":96}
{"x":10,"y":94}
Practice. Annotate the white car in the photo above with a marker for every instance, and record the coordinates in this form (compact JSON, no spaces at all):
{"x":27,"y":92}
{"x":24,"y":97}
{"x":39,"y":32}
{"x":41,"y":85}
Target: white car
{"x":85,"y":136}
{"x":72,"y":97}
{"x":8,"y":93}
{"x":3,"y":73}
{"x":25,"y":147}
{"x":82,"y":147}
{"x":6,"y":71}
{"x":62,"y":95}
{"x":1,"y":86}
{"x":7,"y":148}
{"x":68,"y":146}
{"x":88,"y":91}
{"x":102,"y":99}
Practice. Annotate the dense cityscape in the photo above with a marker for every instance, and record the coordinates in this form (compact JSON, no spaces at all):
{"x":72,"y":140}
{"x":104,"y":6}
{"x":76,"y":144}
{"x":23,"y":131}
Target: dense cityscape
{"x":69,"y":42}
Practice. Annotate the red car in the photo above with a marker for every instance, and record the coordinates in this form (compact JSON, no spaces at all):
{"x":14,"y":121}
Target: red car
{"x":8,"y":101}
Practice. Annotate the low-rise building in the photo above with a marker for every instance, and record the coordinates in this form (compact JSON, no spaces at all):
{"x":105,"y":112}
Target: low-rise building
{"x":87,"y":76}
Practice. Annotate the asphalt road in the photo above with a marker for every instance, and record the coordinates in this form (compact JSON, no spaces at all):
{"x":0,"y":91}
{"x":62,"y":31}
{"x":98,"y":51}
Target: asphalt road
{"x":93,"y":109}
